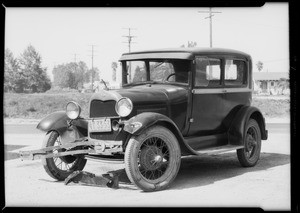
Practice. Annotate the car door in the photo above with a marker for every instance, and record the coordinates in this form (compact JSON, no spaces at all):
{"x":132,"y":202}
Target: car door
{"x":236,"y":84}
{"x":207,"y":97}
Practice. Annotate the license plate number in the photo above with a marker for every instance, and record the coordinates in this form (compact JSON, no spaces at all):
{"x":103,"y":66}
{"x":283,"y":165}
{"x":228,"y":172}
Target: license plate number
{"x":100,"y":125}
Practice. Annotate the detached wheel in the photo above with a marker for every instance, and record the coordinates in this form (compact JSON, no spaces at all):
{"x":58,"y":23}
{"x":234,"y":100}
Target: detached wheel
{"x":152,"y":159}
{"x":249,"y":155}
{"x":60,"y":168}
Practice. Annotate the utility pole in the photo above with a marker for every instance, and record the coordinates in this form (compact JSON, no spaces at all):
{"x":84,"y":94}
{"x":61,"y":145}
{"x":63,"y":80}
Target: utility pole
{"x":210,"y":23}
{"x":129,"y":36}
{"x":92,"y":74}
{"x":75,"y":57}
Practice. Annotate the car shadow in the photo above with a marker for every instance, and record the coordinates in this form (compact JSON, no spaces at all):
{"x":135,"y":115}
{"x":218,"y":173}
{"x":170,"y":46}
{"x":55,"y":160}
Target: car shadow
{"x":200,"y":171}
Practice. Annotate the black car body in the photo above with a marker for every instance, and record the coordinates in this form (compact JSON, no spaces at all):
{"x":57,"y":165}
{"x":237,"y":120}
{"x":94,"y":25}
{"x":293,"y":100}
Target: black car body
{"x":173,"y":102}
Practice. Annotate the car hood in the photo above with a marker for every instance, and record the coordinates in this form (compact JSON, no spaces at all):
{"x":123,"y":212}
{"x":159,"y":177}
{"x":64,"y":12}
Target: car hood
{"x":146,"y":94}
{"x":155,"y":94}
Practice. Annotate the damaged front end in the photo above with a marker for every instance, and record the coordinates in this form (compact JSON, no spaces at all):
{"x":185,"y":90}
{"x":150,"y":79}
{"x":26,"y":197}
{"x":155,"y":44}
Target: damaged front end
{"x":77,"y":147}
{"x":101,"y":136}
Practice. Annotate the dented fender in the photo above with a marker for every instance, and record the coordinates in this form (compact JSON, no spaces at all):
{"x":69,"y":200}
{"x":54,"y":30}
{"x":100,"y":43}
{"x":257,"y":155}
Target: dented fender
{"x":69,"y":130}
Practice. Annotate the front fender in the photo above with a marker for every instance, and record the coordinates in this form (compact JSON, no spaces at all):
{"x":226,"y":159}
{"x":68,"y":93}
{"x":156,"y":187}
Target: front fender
{"x":237,"y":128}
{"x":59,"y":121}
{"x":139,"y":123}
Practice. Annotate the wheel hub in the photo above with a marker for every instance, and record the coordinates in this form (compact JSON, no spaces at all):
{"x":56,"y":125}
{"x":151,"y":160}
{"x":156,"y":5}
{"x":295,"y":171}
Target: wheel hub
{"x":151,"y":158}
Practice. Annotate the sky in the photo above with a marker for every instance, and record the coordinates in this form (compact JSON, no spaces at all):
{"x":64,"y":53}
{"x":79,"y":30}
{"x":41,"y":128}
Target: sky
{"x":59,"y":34}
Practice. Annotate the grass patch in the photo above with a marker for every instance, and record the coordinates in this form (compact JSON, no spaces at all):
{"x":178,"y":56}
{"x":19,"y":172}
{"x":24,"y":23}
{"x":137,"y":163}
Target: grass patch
{"x":37,"y":106}
{"x":272,"y":107}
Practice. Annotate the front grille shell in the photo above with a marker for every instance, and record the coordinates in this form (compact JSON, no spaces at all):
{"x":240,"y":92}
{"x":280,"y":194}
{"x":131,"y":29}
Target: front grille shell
{"x":100,"y":108}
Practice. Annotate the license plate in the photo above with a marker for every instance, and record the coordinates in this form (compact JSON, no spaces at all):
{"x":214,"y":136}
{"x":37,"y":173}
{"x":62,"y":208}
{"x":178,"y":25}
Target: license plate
{"x":100,"y":125}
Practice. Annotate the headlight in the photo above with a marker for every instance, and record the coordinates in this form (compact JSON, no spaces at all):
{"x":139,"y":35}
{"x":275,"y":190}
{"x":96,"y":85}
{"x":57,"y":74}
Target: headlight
{"x":124,"y":107}
{"x":73,"y":110}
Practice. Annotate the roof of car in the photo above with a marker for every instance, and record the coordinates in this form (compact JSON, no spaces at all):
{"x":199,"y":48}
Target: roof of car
{"x":180,"y":53}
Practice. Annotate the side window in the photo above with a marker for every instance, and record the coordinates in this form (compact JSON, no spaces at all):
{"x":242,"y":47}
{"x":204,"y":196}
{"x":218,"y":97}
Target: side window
{"x":235,"y":73}
{"x":208,"y":72}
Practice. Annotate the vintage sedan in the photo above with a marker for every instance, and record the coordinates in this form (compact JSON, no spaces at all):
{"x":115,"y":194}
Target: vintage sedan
{"x":173,"y":103}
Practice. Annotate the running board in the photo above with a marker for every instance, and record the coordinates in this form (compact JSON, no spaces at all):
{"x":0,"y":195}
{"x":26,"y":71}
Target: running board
{"x":218,"y":150}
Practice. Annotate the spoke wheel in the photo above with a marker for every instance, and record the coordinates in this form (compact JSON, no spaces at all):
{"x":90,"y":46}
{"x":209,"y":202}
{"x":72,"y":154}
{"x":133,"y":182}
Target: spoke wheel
{"x":152,"y":159}
{"x":249,"y":155}
{"x":60,"y":167}
{"x":64,"y":163}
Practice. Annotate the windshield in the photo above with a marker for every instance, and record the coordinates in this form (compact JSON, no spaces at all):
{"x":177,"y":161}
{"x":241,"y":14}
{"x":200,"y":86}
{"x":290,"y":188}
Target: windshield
{"x":156,"y":71}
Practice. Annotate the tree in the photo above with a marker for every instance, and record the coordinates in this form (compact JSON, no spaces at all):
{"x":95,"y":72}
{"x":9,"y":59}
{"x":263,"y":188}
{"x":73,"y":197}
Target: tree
{"x":190,"y":44}
{"x":114,"y":66}
{"x":35,"y":75}
{"x":70,"y":75}
{"x":88,"y":75}
{"x":25,"y":73}
{"x":62,"y":77}
{"x":259,"y":65}
{"x":12,"y":77}
{"x":283,"y":84}
{"x":139,"y":75}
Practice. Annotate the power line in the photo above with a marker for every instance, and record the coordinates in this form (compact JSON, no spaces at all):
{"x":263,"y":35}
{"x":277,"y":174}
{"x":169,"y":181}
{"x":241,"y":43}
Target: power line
{"x":129,"y":36}
{"x":210,"y":23}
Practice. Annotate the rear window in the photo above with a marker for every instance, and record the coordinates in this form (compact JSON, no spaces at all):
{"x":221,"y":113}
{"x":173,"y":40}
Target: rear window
{"x":235,"y":73}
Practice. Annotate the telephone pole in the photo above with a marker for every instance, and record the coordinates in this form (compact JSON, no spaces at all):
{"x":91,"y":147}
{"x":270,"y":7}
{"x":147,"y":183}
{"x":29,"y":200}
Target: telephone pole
{"x":75,"y":57}
{"x":129,"y":36}
{"x":210,"y":23}
{"x":92,"y":73}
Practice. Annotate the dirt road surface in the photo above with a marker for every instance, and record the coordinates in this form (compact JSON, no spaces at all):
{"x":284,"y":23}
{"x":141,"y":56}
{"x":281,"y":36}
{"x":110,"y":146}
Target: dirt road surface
{"x":211,"y":181}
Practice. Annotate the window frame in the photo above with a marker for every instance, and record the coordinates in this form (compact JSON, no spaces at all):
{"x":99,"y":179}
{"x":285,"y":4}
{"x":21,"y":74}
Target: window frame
{"x":223,"y":59}
{"x":246,"y":73}
{"x":147,"y":61}
{"x":195,"y":71}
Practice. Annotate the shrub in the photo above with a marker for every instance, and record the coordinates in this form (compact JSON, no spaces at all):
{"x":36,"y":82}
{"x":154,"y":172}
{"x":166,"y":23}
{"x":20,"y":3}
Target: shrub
{"x":31,"y":109}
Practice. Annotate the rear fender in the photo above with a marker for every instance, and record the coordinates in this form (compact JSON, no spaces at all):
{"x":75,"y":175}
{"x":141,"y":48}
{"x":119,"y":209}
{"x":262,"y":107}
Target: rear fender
{"x":59,"y":121}
{"x":237,"y":128}
{"x":139,"y":123}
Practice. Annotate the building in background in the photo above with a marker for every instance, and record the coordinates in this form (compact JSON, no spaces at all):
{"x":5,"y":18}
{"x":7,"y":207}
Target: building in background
{"x":273,"y":83}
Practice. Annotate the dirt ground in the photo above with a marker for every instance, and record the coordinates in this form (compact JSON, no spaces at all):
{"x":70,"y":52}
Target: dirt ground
{"x":208,"y":181}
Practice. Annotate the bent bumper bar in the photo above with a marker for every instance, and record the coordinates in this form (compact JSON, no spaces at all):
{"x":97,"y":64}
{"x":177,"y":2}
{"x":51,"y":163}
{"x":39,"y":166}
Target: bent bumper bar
{"x":82,"y":146}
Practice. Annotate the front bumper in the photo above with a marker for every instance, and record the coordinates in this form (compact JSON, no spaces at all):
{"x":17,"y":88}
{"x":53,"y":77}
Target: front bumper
{"x":77,"y":147}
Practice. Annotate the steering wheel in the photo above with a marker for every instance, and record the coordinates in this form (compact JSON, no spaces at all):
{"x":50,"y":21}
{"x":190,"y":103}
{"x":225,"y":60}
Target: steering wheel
{"x":167,"y":78}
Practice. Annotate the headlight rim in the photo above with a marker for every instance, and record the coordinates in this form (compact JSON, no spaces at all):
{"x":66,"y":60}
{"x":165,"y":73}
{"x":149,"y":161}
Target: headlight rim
{"x":78,"y":109}
{"x":116,"y":106}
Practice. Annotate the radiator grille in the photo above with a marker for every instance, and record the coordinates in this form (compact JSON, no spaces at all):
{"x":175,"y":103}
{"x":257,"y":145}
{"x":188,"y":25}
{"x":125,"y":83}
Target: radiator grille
{"x":102,"y":109}
{"x":103,"y":135}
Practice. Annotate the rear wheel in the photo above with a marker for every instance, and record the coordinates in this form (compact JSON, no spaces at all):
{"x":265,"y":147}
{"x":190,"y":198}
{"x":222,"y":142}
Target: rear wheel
{"x":152,"y":159}
{"x":249,"y":155}
{"x":60,"y":168}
